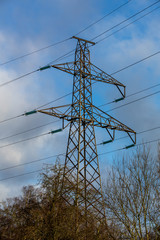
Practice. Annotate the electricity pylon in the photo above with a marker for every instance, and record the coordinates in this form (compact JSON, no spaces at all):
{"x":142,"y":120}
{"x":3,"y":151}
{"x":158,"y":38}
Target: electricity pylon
{"x":81,"y":161}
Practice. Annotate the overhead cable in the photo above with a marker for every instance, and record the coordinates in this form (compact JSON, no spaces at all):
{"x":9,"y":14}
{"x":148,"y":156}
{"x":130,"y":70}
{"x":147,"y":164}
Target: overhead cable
{"x":27,"y":139}
{"x":134,"y":15}
{"x":41,"y":159}
{"x":59,"y":42}
{"x":120,"y":70}
{"x":35,"y":51}
{"x":108,"y":14}
{"x":105,"y":153}
{"x":29,"y":130}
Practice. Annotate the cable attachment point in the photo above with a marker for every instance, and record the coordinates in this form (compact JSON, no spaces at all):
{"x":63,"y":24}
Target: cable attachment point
{"x":130,"y":146}
{"x":119,"y":99}
{"x":31,"y":112}
{"x":56,"y":131}
{"x":44,"y":68}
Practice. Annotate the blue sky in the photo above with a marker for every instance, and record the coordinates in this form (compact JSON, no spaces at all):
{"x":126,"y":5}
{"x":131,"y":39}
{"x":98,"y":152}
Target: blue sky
{"x":26,"y":26}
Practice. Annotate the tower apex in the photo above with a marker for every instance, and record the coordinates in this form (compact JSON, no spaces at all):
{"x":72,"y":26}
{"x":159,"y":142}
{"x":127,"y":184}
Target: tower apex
{"x":81,"y":39}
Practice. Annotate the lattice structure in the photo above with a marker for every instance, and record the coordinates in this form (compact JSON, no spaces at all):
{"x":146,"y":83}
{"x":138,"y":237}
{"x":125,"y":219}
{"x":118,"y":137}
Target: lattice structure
{"x":81,"y":162}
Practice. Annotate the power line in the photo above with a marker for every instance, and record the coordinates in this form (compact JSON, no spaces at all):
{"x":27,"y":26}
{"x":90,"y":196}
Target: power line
{"x":34,"y":161}
{"x":108,"y":14}
{"x":24,"y":140}
{"x":70,"y":93}
{"x":127,"y":25}
{"x":133,"y":94}
{"x":9,"y":144}
{"x":120,"y":70}
{"x":15,"y":79}
{"x":20,"y":175}
{"x":138,"y":133}
{"x":38,"y":50}
{"x":131,"y":65}
{"x":41,"y":159}
{"x":29,"y":130}
{"x":59,"y":42}
{"x":11,"y":118}
{"x":105,"y":153}
{"x":124,"y":148}
{"x":68,"y":53}
{"x":136,"y":100}
{"x":143,"y":90}
{"x":137,"y":62}
{"x":71,"y":52}
{"x":144,"y":9}
{"x":55,"y":100}
{"x":27,"y":74}
{"x":152,"y":55}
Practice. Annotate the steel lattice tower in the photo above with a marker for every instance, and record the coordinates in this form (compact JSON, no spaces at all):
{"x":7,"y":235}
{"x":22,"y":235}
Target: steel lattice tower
{"x":81,"y":162}
{"x":81,"y":155}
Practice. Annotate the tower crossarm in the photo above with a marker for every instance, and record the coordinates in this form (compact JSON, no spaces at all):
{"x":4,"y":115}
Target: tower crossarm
{"x":104,"y":120}
{"x":66,"y":67}
{"x":96,"y":74}
{"x":99,"y":119}
{"x":61,"y":112}
{"x":101,"y":76}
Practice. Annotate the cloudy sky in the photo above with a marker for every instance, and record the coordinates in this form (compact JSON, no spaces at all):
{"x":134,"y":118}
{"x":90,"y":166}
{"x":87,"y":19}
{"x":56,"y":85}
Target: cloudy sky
{"x":26,"y":26}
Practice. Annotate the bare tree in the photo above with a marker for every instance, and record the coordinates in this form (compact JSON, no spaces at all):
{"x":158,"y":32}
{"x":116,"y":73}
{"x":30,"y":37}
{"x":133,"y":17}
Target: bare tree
{"x":131,"y":196}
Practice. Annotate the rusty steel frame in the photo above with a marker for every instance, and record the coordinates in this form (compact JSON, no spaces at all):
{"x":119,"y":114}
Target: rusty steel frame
{"x":81,"y":162}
